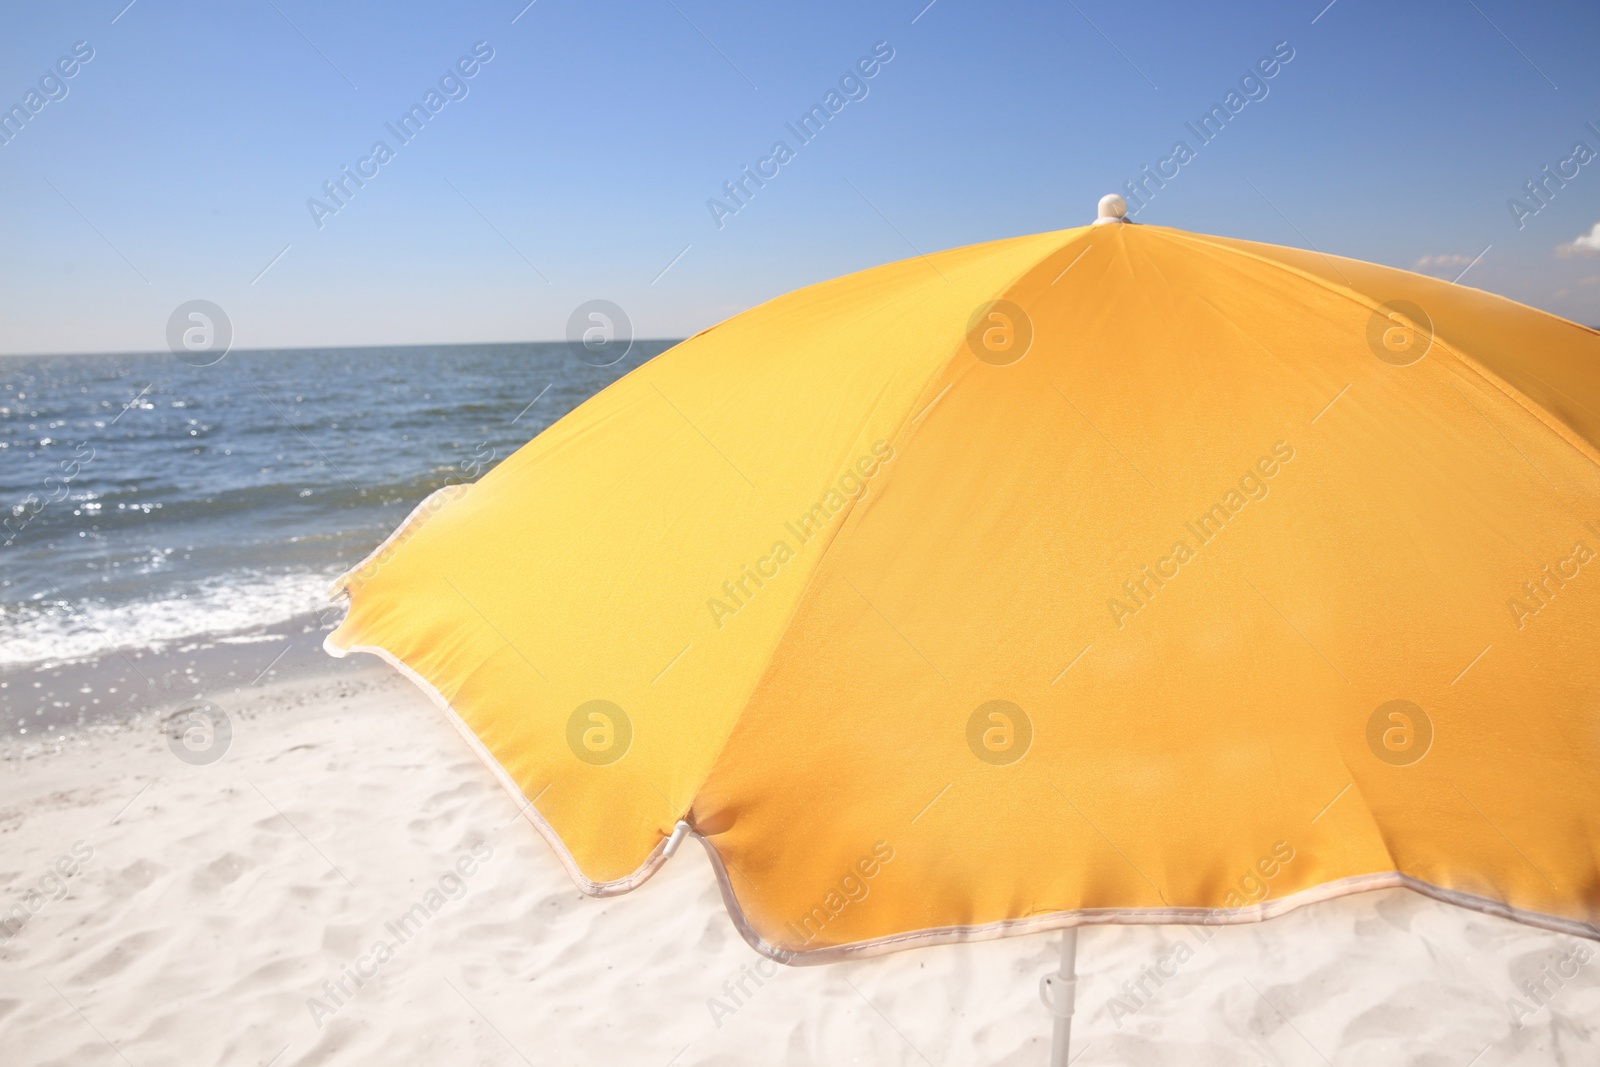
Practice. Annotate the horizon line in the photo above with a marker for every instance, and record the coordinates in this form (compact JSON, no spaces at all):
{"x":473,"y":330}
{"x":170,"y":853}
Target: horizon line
{"x":313,"y":348}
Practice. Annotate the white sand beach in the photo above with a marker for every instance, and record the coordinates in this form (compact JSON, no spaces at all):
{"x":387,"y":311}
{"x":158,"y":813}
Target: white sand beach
{"x":206,"y":906}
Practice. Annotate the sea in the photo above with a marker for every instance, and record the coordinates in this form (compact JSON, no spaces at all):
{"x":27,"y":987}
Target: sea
{"x":170,"y":530}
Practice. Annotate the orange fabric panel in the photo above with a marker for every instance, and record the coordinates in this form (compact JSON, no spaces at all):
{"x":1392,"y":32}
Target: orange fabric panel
{"x":1207,"y":725}
{"x":1193,"y":574}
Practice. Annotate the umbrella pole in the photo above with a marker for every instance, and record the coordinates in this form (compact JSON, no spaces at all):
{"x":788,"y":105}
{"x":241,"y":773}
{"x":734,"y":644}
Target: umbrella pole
{"x":1058,"y":992}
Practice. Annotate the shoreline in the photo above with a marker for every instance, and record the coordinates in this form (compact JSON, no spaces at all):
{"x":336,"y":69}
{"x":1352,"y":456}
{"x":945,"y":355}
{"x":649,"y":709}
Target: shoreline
{"x":51,"y":702}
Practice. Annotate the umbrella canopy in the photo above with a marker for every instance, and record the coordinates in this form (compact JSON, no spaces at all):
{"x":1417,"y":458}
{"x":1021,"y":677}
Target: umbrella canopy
{"x":1117,"y":574}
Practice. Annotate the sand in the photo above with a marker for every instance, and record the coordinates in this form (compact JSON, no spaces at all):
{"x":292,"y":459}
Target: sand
{"x":205,"y":906}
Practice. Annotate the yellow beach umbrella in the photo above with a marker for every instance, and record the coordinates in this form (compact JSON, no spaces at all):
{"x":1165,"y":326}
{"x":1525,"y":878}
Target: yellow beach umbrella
{"x":1117,"y":574}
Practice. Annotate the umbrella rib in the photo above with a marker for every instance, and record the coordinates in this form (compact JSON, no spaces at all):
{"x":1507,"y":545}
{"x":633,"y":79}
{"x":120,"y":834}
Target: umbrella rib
{"x":1578,"y":443}
{"x":921,"y":414}
{"x":1504,"y":438}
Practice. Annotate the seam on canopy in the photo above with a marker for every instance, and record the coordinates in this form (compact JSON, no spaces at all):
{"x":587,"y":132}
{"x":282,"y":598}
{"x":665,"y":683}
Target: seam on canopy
{"x":1366,"y":807}
{"x":1578,"y":442}
{"x":655,"y":857}
{"x":898,"y":436}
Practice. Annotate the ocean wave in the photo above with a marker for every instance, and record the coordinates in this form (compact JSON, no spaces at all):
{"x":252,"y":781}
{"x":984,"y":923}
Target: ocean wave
{"x":53,"y":631}
{"x":111,"y":507}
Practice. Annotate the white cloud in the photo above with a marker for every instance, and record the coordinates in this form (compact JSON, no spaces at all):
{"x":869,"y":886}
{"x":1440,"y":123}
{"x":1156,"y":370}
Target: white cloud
{"x":1446,"y":259}
{"x":1585,"y":244}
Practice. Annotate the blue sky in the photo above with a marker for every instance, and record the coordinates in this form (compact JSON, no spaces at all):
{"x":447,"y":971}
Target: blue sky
{"x":581,"y":160}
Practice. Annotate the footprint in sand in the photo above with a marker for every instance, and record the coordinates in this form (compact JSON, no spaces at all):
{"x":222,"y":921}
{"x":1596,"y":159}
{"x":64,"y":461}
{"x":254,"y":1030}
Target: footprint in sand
{"x":219,"y":873}
{"x":113,"y":963}
{"x":134,"y":877}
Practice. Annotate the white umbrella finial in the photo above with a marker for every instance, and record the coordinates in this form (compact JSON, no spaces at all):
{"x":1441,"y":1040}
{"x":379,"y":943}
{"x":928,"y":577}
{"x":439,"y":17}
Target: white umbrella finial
{"x":1112,"y":209}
